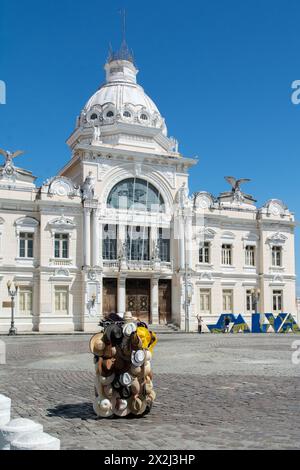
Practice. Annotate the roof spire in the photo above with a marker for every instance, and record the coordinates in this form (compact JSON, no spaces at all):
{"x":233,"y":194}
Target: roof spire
{"x":124,"y":53}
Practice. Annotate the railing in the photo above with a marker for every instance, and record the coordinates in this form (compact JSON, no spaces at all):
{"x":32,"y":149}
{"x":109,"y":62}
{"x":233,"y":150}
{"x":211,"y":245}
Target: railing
{"x":138,"y":265}
{"x":61,"y":262}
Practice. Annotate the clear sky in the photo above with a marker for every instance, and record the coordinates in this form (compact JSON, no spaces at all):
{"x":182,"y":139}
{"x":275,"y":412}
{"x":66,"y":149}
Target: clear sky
{"x":220,"y":72}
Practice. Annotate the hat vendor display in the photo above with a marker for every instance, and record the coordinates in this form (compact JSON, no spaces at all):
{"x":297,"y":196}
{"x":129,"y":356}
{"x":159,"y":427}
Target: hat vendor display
{"x":122,"y":356}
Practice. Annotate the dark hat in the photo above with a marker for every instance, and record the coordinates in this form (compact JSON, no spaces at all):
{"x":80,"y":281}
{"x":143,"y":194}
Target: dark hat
{"x":125,"y":392}
{"x":113,"y":334}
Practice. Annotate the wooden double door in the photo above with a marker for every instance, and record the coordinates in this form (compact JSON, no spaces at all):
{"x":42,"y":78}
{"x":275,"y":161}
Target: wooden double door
{"x":138,"y":298}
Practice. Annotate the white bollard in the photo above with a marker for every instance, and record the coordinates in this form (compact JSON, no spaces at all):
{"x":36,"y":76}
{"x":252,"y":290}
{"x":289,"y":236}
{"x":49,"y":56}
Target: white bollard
{"x":35,"y":441}
{"x":15,"y":429}
{"x":5,"y":406}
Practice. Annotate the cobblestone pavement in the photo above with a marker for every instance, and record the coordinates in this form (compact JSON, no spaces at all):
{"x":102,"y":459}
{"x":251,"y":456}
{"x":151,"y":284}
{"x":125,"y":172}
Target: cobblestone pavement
{"x":214,"y":392}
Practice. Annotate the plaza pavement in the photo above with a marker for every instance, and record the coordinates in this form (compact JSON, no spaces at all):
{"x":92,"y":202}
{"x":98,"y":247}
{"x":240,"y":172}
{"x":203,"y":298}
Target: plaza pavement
{"x":213,"y":392}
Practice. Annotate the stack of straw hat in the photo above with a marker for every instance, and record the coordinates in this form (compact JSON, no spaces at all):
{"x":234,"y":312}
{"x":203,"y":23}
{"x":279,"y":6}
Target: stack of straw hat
{"x":122,"y":356}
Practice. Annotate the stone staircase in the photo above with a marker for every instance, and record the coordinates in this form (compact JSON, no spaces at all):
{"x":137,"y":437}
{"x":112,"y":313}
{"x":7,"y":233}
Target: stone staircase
{"x":164,"y":329}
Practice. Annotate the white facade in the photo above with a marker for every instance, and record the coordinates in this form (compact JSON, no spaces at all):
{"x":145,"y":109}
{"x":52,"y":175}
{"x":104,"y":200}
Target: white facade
{"x":116,"y":230}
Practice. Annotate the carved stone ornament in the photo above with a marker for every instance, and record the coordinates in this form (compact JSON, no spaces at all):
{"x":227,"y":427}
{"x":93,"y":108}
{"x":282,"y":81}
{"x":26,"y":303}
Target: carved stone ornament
{"x":60,"y":186}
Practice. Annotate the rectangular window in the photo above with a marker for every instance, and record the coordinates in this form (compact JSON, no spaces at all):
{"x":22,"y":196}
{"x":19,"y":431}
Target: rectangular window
{"x":61,"y":300}
{"x":227,"y":255}
{"x":205,"y":301}
{"x":109,"y":242}
{"x":277,"y":301}
{"x":25,"y":300}
{"x":276,"y":256}
{"x":61,"y":246}
{"x":204,"y":253}
{"x":227,"y":301}
{"x":249,"y":301}
{"x":250,"y":255}
{"x":164,"y":244}
{"x":26,"y":245}
{"x":138,"y":243}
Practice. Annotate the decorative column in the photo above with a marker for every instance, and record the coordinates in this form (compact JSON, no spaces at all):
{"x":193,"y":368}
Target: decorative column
{"x":121,"y":295}
{"x":181,"y":244}
{"x":96,"y":239}
{"x":87,"y":237}
{"x":154,"y":301}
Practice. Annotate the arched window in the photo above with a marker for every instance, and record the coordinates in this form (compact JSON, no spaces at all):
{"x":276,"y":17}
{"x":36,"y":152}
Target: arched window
{"x":135,"y":193}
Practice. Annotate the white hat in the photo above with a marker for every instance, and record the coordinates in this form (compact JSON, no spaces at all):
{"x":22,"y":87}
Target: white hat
{"x":138,"y":358}
{"x":129,"y":328}
{"x":103,"y":408}
{"x":125,"y":379}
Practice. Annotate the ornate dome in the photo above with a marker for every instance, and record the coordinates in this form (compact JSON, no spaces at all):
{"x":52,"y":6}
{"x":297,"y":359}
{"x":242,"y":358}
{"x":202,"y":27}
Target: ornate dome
{"x":121,"y":98}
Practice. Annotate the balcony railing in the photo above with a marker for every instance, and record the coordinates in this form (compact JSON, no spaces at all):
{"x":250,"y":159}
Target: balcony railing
{"x":138,"y":265}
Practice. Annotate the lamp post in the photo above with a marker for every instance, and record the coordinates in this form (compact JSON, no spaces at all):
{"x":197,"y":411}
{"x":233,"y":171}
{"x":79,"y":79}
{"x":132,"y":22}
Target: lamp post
{"x":255,"y":294}
{"x":12,"y":292}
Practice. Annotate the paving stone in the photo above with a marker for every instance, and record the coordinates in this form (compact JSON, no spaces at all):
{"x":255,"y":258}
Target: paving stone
{"x":213,"y":392}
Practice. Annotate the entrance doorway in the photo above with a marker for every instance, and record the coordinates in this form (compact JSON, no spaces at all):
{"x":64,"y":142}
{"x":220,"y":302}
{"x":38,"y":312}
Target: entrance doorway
{"x":109,"y":296}
{"x":138,"y":298}
{"x":165,"y":301}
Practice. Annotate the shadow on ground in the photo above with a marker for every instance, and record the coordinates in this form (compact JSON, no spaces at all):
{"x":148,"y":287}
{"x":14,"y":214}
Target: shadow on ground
{"x":72,"y":411}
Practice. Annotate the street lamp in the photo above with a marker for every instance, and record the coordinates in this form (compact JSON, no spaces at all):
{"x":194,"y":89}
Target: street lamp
{"x":255,"y":295}
{"x":12,"y":292}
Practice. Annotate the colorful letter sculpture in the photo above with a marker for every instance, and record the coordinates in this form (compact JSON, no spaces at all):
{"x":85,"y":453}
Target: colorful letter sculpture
{"x":122,"y":356}
{"x":283,"y":323}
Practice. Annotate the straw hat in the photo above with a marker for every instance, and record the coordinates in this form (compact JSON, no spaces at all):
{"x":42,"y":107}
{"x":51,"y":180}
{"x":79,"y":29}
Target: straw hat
{"x":135,"y":387}
{"x":97,"y":345}
{"x":136,"y":405}
{"x":135,"y":371}
{"x":128,"y":318}
{"x":103,"y":408}
{"x":109,"y":351}
{"x":120,"y":407}
{"x":98,"y":387}
{"x":148,"y":355}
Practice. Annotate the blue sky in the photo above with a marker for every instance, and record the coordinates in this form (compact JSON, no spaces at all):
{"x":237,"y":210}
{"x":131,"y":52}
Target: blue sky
{"x":220,"y":72}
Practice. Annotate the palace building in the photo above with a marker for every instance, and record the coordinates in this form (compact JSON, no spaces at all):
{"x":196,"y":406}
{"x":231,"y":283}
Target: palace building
{"x":116,"y":230}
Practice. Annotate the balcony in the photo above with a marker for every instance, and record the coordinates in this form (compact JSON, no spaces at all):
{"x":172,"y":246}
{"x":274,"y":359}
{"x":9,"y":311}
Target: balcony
{"x":138,"y":265}
{"x":61,"y":262}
